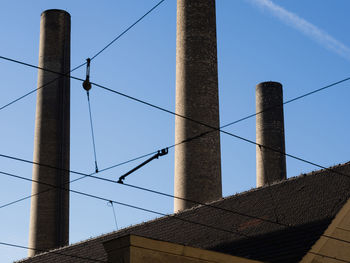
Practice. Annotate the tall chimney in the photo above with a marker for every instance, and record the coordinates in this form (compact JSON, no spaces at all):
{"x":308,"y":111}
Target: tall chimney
{"x":49,"y":214}
{"x":198,"y":162}
{"x":270,"y":165}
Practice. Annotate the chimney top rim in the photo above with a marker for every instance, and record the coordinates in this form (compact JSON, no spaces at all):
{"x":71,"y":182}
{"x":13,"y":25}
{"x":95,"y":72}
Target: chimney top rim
{"x":56,"y":11}
{"x":269,"y":84}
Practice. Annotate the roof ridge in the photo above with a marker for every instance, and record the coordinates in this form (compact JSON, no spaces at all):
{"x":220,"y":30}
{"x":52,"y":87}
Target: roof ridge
{"x":302,"y":175}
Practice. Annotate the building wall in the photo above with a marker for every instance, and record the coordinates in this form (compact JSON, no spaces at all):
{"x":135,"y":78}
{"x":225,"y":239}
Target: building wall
{"x":334,"y":249}
{"x":136,"y":249}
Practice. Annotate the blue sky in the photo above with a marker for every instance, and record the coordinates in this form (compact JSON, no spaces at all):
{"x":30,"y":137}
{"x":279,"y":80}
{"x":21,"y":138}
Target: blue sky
{"x":302,"y":44}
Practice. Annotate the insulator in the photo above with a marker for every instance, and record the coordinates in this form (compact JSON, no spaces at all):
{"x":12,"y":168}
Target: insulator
{"x":87,"y":84}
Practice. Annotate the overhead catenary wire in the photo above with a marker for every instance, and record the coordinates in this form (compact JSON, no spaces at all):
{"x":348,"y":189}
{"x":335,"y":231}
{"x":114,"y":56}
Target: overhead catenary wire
{"x":202,"y":135}
{"x":211,"y":206}
{"x":199,"y":203}
{"x":36,"y":194}
{"x":128,"y":29}
{"x":125,"y":204}
{"x":288,"y":101}
{"x":67,"y":75}
{"x":157,"y":192}
{"x":152,"y":105}
{"x":272,"y":221}
{"x":284,"y":103}
{"x":238,"y":137}
{"x":77,"y":67}
{"x":174,"y":216}
{"x":131,"y":160}
{"x":147,"y":210}
{"x":83,"y":175}
{"x":171,"y":112}
{"x":255,"y":114}
{"x":236,"y":212}
{"x":213,"y":129}
{"x":236,"y":232}
{"x":263,"y":146}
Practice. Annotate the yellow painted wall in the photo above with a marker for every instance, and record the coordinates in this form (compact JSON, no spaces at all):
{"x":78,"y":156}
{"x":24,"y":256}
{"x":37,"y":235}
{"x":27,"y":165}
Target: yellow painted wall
{"x":337,"y":248}
{"x":135,"y":249}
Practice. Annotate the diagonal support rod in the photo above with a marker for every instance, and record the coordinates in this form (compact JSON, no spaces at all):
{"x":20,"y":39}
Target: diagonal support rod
{"x":156,"y":156}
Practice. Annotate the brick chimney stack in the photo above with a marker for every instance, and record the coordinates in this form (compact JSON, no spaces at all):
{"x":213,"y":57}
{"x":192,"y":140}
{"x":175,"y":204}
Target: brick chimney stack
{"x":49,"y":214}
{"x":270,"y":165}
{"x":198,"y":162}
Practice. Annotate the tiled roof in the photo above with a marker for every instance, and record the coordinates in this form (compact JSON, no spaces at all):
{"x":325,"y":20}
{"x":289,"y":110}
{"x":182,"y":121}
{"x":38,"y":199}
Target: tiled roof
{"x":301,"y":207}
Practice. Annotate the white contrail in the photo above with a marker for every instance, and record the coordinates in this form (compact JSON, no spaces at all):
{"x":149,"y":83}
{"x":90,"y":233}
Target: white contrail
{"x":305,"y":27}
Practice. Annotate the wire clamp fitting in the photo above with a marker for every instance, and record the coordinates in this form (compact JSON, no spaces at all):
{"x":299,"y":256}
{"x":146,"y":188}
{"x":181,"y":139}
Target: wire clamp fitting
{"x":87,"y":83}
{"x":163,"y":152}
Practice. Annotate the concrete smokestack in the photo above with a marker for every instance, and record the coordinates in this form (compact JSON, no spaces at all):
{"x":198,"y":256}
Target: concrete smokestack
{"x":270,"y":165}
{"x":49,"y":214}
{"x":198,"y":162}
